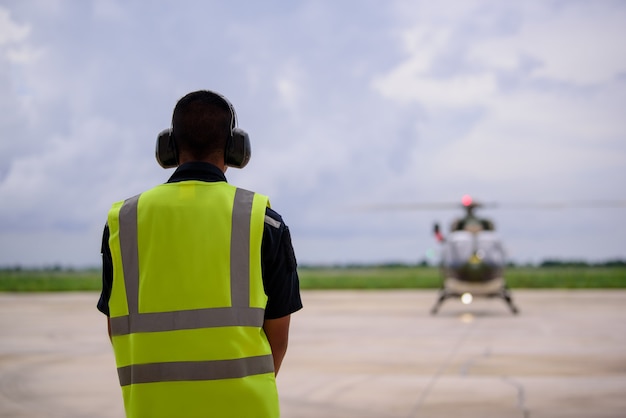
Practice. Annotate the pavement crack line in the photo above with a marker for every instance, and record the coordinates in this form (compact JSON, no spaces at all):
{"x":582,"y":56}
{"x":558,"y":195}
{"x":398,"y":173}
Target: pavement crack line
{"x":433,"y":380}
{"x":521,"y":390}
{"x":521,"y":395}
{"x":464,"y":371}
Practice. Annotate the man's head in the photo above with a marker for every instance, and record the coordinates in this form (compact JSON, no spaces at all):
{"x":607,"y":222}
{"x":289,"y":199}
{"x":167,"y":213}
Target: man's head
{"x":202,"y":123}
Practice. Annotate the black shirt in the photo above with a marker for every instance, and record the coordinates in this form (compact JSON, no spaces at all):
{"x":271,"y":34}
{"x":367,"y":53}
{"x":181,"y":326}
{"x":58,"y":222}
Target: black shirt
{"x":278,"y":262}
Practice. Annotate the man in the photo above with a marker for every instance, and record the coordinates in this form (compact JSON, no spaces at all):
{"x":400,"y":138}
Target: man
{"x":199,"y":279}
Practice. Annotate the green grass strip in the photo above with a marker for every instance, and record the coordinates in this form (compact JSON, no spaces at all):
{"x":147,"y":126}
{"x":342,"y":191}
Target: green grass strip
{"x":50,"y":280}
{"x":394,"y":277}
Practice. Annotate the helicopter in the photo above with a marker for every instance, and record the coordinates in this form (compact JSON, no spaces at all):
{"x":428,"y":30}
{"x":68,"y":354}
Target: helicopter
{"x":472,"y":261}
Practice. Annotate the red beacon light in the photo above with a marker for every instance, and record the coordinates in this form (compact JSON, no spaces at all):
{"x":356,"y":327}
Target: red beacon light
{"x":466,"y":200}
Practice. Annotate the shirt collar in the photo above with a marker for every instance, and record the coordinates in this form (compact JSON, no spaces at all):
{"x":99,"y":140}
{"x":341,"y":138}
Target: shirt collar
{"x":197,"y":170}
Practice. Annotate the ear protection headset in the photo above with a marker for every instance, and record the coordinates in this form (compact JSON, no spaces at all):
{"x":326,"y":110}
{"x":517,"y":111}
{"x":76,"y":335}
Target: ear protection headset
{"x":237,"y":152}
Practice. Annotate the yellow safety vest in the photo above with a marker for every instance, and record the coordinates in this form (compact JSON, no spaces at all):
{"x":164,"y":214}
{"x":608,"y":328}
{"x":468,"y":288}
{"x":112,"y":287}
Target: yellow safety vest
{"x":187,"y":303}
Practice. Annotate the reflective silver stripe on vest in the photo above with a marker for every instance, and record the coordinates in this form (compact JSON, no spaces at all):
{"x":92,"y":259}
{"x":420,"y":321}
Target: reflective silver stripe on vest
{"x":130,"y":252}
{"x":188,"y":319}
{"x":240,"y":249}
{"x":195,"y":370}
{"x":239,"y":314}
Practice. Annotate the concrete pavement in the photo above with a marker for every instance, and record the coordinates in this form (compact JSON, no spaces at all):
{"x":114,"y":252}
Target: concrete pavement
{"x":366,"y":354}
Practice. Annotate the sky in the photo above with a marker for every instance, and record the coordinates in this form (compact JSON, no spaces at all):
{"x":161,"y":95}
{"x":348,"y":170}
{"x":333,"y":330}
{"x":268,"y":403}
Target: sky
{"x":349,"y":105}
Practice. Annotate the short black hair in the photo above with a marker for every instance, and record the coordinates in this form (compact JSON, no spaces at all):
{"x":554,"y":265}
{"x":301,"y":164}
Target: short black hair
{"x":201,"y":123}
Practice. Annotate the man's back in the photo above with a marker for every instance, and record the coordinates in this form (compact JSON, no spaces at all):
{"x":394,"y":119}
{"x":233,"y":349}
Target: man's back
{"x":187,"y":312}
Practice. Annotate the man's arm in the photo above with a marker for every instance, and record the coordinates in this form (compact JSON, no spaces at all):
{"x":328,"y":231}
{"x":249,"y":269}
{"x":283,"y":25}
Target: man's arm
{"x":281,"y":284}
{"x":277,"y":332}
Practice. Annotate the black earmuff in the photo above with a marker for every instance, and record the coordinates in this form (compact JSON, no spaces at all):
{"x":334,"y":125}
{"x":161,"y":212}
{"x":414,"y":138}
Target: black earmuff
{"x":237,"y":153}
{"x":238,"y":150}
{"x":166,"y":151}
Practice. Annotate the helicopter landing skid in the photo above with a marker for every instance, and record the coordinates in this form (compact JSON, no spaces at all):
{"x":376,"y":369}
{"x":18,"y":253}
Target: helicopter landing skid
{"x":504,"y":294}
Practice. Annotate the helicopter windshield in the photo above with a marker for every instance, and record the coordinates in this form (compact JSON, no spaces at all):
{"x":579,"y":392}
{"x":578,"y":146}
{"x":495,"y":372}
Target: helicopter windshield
{"x":463,"y":246}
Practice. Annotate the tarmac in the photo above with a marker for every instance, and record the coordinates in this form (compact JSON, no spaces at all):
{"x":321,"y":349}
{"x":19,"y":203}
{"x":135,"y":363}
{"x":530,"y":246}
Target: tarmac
{"x":366,"y":354}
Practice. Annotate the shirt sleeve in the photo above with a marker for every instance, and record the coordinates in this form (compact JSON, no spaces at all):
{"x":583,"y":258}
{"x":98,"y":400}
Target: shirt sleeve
{"x":279,"y":267}
{"x":107,"y":273}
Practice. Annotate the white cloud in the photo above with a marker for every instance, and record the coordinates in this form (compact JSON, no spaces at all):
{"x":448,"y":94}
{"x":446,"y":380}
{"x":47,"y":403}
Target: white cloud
{"x":538,"y":145}
{"x":66,"y":180}
{"x":13,"y":38}
{"x":587,"y":48}
{"x":11,"y":31}
{"x":582,"y":43}
{"x":387,"y":103}
{"x":518,"y":123}
{"x":289,"y":86}
{"x":407,"y":86}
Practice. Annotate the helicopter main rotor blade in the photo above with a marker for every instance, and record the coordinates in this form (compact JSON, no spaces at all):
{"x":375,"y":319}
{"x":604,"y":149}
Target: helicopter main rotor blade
{"x":409,"y":206}
{"x":573,"y":204}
